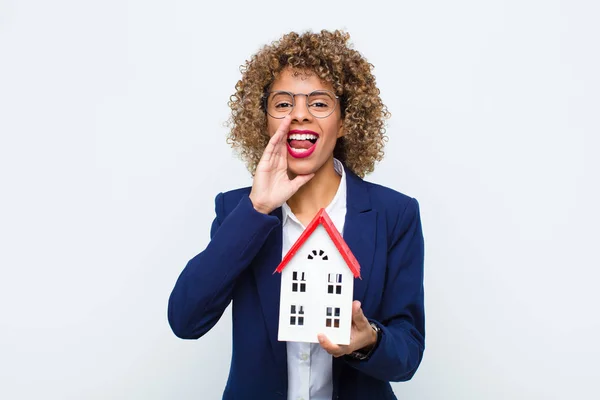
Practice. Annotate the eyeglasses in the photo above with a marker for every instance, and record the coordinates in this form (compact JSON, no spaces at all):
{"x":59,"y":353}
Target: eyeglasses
{"x":320,"y":103}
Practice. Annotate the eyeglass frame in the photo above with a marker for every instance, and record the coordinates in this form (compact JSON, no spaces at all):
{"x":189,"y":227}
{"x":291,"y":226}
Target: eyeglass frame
{"x":293,"y":95}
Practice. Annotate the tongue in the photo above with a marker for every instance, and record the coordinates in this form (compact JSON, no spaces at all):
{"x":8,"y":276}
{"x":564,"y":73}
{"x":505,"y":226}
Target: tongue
{"x":300,"y":144}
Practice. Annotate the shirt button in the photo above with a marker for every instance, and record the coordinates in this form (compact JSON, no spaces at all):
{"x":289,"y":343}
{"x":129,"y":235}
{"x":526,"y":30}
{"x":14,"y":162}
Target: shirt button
{"x":303,"y":357}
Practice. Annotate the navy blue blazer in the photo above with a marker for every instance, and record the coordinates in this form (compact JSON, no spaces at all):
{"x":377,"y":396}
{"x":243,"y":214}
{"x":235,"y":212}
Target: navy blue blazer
{"x":383,"y":230}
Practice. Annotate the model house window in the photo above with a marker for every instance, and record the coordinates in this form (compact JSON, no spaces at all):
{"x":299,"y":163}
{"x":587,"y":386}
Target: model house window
{"x":335,"y":283}
{"x":298,"y":281}
{"x":333,"y":317}
{"x":297,"y":315}
{"x":318,"y":254}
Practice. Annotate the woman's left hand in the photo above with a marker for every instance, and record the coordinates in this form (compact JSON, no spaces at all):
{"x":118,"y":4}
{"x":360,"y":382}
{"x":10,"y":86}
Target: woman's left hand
{"x":362,"y":335}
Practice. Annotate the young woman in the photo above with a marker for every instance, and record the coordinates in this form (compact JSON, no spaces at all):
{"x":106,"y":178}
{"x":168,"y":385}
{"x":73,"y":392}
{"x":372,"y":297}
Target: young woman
{"x":308,"y":120}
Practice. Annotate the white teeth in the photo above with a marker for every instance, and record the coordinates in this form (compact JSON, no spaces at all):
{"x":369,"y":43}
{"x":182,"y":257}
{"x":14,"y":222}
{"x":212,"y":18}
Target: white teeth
{"x":300,"y":150}
{"x":302,"y":136}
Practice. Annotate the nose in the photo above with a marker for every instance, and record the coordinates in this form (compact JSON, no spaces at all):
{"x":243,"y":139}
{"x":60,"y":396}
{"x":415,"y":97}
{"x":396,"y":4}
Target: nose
{"x":300,"y":111}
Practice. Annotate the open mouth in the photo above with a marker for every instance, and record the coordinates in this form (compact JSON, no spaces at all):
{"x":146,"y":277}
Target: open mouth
{"x":302,"y":143}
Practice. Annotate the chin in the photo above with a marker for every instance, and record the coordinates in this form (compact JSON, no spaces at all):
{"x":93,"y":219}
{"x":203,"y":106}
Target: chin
{"x":303,"y":166}
{"x":300,"y":171}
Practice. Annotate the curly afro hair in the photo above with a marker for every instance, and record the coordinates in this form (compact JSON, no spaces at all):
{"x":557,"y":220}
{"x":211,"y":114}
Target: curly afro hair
{"x":330,"y":57}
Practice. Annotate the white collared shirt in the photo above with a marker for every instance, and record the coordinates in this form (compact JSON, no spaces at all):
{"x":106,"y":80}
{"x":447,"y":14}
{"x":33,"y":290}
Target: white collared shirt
{"x":309,"y":366}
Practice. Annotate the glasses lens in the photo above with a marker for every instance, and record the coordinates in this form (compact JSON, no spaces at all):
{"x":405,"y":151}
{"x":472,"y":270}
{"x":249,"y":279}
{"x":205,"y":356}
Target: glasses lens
{"x":279,"y":104}
{"x":321,"y":103}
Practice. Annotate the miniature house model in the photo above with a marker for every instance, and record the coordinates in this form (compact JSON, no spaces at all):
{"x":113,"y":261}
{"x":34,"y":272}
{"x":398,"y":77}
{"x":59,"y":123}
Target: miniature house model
{"x":317,"y":284}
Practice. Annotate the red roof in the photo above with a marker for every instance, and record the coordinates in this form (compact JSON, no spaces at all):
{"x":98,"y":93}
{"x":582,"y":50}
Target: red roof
{"x":323,"y":219}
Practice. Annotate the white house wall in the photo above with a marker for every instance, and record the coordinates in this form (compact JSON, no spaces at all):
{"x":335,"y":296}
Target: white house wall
{"x":315,"y":300}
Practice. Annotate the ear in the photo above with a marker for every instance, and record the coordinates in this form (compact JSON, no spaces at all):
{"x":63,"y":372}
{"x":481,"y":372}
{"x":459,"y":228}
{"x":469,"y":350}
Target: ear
{"x":341,"y":130}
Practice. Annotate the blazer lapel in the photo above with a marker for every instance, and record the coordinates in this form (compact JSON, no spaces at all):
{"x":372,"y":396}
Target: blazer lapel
{"x":269,"y":288}
{"x":360,"y":229}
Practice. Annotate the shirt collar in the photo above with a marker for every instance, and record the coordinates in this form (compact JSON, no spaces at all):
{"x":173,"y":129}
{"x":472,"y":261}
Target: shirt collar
{"x":339,"y":200}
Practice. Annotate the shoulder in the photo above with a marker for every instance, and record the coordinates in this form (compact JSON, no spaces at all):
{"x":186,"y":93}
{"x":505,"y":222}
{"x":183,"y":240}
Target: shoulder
{"x":380,"y":198}
{"x":225,"y":202}
{"x":388,"y":200}
{"x":386,"y":197}
{"x":399,"y":209}
{"x":235,"y":195}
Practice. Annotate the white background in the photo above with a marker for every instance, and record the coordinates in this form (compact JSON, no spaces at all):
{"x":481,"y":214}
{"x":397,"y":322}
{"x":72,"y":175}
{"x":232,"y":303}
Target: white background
{"x":113,"y":148}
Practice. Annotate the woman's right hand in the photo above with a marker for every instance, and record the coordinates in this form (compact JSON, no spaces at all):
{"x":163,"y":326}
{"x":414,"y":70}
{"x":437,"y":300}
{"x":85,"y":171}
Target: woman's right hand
{"x":272,"y":186}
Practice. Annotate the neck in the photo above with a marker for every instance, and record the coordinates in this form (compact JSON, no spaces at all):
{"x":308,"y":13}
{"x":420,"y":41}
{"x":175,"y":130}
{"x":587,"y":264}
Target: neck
{"x":316,"y":193}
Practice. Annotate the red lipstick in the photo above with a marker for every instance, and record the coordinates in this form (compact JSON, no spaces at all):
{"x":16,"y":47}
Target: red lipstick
{"x":302,"y":140}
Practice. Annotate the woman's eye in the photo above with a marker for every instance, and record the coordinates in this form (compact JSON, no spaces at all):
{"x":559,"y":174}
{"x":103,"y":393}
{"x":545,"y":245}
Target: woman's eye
{"x":283,"y":105}
{"x":318,"y":104}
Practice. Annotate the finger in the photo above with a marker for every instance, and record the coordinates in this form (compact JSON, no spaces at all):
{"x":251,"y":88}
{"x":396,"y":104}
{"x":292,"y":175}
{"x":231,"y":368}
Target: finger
{"x":282,"y":134}
{"x":358,"y":318}
{"x":269,"y":150}
{"x":276,"y":140}
{"x":330,"y":347}
{"x":284,"y":127}
{"x":282,"y":151}
{"x":300,"y":180}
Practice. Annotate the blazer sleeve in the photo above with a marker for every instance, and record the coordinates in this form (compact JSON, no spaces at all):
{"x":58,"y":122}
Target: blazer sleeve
{"x":400,"y":349}
{"x":205,"y":286}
